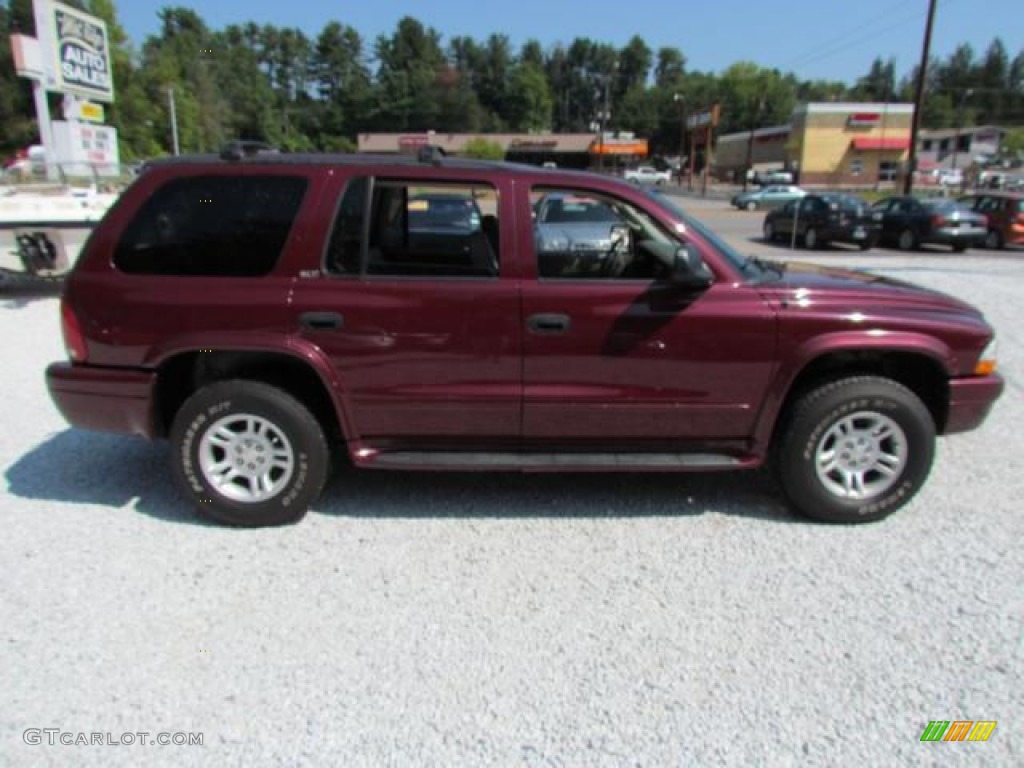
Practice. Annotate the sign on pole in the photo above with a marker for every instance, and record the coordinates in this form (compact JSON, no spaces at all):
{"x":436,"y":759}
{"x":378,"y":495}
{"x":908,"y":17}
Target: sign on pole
{"x":76,"y":51}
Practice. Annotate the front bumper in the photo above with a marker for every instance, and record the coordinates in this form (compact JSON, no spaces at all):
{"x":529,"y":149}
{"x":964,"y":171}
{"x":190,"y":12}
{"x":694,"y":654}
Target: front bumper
{"x":103,"y":399}
{"x":970,"y":400}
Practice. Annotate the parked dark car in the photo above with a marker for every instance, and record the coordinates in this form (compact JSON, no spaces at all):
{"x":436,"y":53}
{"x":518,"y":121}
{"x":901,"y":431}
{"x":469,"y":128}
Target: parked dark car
{"x":909,"y":222}
{"x":1005,"y":214}
{"x":823,"y":219}
{"x":258,"y":310}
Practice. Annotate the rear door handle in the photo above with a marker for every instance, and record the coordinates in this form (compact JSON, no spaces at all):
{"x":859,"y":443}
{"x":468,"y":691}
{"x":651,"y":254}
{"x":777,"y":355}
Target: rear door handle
{"x":548,"y":323}
{"x":321,"y":321}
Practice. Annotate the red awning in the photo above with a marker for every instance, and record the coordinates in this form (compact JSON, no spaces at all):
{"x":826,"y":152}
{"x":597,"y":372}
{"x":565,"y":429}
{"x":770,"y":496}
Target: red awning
{"x":867,"y":142}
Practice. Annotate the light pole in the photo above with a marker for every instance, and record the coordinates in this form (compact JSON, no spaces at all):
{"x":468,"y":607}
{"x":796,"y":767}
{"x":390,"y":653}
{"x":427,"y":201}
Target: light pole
{"x":681,"y":100}
{"x":174,"y":118}
{"x":603,"y":116}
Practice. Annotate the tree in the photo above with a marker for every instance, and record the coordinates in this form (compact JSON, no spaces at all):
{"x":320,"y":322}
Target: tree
{"x":529,"y":99}
{"x":879,"y":84}
{"x":483,"y":149}
{"x":406,"y":79}
{"x":635,"y":61}
{"x":17,"y":126}
{"x":1013,"y":142}
{"x":671,"y":67}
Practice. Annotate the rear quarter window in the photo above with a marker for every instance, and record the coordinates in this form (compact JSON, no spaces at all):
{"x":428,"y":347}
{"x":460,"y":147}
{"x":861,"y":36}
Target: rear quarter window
{"x":229,"y":226}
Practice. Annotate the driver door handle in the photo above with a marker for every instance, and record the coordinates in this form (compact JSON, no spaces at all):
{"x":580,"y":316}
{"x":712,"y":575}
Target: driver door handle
{"x":548,"y":323}
{"x":321,"y":321}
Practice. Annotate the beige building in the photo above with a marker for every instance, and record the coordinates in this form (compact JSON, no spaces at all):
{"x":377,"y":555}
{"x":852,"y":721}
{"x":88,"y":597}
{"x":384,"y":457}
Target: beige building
{"x":765,"y":148}
{"x":566,"y":150}
{"x":844,"y":143}
{"x":827,"y":144}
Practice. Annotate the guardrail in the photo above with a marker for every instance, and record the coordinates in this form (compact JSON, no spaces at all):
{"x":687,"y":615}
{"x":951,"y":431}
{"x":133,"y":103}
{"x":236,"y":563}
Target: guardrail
{"x":33,"y":176}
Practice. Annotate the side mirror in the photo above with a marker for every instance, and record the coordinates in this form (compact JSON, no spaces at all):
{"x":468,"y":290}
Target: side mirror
{"x":689,"y":269}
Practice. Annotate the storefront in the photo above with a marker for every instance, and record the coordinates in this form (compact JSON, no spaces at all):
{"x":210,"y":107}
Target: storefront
{"x":850,"y":144}
{"x":565,"y":150}
{"x":827,"y":144}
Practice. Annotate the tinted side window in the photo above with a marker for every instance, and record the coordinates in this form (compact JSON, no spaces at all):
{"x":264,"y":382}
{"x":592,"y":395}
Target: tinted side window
{"x":212,"y":225}
{"x":427,"y":229}
{"x":345,"y":247}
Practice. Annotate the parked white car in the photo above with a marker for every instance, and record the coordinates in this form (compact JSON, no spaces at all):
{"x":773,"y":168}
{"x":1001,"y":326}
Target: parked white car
{"x":647,"y":174}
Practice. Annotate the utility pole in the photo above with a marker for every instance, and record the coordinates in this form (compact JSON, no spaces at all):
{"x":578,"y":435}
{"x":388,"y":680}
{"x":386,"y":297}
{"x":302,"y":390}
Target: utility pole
{"x":922,"y":71}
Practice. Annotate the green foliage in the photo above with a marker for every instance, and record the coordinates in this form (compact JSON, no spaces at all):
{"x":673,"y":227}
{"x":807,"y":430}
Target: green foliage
{"x":270,"y":83}
{"x":1013,"y":143}
{"x":484,"y":149}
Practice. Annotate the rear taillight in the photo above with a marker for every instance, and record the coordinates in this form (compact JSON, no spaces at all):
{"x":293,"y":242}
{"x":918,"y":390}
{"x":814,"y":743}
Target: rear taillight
{"x":938,"y":221}
{"x":74,"y":341}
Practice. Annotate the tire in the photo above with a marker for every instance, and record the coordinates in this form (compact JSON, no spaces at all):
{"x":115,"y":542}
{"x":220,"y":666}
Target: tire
{"x":260,"y":422}
{"x":814,"y":429}
{"x":866,"y":245}
{"x":994,"y":240}
{"x":907,"y":240}
{"x":751,"y":206}
{"x":959,"y":247}
{"x":811,"y":241}
{"x":769,"y":232}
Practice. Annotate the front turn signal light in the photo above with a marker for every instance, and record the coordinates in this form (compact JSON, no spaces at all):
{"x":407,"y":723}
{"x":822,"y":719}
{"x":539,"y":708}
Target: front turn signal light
{"x":987,"y":362}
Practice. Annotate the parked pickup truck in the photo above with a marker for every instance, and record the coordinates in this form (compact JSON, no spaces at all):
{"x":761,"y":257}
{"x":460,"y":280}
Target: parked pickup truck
{"x":268,"y":314}
{"x":647,"y":174}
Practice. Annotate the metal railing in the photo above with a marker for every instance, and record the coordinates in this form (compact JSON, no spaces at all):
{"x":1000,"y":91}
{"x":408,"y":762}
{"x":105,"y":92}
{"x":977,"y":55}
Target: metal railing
{"x":31,"y":176}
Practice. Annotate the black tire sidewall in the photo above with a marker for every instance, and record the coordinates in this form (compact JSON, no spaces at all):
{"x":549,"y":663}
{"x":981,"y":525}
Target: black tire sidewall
{"x":308,"y":443}
{"x":820,"y":410}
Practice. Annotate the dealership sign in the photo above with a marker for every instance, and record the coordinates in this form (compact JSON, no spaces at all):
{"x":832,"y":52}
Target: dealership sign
{"x":76,"y":51}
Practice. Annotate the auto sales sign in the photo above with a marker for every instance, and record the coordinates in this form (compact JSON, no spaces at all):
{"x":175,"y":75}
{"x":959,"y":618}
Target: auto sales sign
{"x":81,"y":52}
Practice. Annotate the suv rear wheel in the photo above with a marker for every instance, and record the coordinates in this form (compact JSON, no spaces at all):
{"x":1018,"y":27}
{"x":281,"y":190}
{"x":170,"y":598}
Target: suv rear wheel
{"x":249,"y":454}
{"x":855,"y":450}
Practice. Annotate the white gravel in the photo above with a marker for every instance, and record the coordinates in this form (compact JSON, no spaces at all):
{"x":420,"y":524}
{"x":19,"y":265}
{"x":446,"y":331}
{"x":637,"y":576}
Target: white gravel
{"x":463,"y":620}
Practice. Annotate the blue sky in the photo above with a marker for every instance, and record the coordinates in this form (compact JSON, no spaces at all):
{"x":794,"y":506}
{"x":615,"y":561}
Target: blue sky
{"x":834,"y":39}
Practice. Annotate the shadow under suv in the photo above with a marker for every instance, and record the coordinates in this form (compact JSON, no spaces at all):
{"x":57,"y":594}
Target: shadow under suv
{"x":257,"y":309}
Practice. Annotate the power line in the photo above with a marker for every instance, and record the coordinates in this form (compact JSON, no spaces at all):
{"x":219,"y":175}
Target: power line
{"x":842,"y":38}
{"x":820,"y":52}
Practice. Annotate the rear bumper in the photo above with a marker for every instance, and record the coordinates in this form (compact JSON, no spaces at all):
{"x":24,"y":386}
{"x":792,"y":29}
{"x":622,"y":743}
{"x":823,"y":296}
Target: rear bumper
{"x":853,"y":233}
{"x":946,"y":236}
{"x":970,"y":400}
{"x":103,"y":399}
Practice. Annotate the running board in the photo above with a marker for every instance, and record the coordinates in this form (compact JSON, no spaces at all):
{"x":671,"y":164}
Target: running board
{"x":542,"y":461}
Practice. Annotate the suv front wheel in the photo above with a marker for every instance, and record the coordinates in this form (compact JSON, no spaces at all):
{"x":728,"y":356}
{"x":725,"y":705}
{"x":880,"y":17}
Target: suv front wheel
{"x":249,"y":454}
{"x":856,"y":449}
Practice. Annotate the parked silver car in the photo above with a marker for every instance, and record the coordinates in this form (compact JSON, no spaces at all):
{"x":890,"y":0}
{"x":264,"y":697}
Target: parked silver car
{"x":771,"y":196}
{"x":570,"y":230}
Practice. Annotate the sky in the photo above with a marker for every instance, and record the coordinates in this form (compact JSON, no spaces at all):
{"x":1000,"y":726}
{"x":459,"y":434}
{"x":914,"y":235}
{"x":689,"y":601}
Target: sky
{"x":826,"y":39}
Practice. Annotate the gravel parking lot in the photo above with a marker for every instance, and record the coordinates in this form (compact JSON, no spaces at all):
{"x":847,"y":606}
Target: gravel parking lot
{"x":463,"y":620}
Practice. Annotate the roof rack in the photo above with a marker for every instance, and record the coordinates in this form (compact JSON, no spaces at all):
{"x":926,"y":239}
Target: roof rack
{"x":429,"y":153}
{"x":236,"y":150}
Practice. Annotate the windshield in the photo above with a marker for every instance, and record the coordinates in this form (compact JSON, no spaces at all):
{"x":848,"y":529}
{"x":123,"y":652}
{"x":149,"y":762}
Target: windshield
{"x":668,"y":204}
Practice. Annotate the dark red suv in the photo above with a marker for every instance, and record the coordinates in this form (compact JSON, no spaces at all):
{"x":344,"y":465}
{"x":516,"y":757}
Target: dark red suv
{"x":258,"y":309}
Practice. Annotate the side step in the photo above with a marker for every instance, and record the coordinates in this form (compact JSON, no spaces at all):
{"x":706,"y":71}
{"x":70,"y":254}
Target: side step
{"x":553,"y":461}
